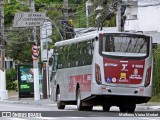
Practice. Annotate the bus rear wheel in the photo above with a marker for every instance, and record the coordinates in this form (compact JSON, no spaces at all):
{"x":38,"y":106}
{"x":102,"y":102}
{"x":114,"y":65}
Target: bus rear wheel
{"x":88,"y":108}
{"x":127,"y":108}
{"x":123,"y":109}
{"x":79,"y":101}
{"x":131,"y":108}
{"x":59,"y":102}
{"x":106,"y":108}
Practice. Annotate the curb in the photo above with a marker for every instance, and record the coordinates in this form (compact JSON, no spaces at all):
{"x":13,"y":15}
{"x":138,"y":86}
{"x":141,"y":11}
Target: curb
{"x":41,"y":102}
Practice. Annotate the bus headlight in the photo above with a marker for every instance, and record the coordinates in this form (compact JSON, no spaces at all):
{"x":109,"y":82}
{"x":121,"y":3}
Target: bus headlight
{"x":148,"y":77}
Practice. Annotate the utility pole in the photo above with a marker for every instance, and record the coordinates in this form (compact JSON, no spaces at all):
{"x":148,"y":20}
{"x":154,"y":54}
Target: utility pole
{"x":35,"y":62}
{"x":118,"y":17}
{"x":3,"y":91}
{"x":65,"y":10}
{"x":65,"y":18}
{"x":87,"y":13}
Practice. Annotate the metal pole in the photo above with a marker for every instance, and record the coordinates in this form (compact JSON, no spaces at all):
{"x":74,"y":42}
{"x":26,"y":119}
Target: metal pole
{"x":3,"y":91}
{"x":55,"y":27}
{"x":118,"y":17}
{"x":65,"y":5}
{"x":47,"y":67}
{"x":87,"y":13}
{"x":35,"y":62}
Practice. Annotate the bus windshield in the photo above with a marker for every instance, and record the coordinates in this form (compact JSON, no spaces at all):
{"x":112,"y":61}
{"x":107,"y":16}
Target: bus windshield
{"x":124,"y":45}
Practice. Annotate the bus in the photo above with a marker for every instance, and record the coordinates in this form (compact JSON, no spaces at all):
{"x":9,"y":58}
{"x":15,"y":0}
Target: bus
{"x":103,"y":68}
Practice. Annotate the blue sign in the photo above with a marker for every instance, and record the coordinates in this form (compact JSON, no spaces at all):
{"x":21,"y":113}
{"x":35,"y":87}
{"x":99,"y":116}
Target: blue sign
{"x":108,"y":79}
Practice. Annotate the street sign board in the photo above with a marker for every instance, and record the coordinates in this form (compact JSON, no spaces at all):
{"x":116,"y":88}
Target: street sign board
{"x":29,"y":19}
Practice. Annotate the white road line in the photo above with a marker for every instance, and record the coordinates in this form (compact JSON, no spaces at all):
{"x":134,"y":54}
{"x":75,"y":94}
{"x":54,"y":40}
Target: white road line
{"x":46,"y":118}
{"x":150,"y":118}
{"x":23,"y":107}
{"x":14,"y":118}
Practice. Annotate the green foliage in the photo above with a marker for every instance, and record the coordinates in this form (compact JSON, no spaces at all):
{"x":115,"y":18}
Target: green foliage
{"x":11,"y":9}
{"x":155,"y":99}
{"x":11,"y":76}
{"x":156,"y":73}
{"x":18,"y":46}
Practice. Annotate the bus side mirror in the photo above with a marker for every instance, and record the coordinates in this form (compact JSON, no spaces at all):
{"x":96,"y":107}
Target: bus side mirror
{"x":154,"y":45}
{"x":96,"y":38}
{"x":51,"y":60}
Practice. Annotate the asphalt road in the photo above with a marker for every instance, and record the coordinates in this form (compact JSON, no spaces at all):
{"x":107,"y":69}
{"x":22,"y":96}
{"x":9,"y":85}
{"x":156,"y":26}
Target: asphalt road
{"x":39,"y":112}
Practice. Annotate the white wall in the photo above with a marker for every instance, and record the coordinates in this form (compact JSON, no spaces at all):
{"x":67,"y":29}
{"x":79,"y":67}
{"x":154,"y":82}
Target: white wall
{"x":148,"y":19}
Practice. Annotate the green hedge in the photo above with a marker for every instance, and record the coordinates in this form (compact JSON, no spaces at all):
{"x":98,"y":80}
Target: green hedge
{"x":11,"y":79}
{"x":156,"y":71}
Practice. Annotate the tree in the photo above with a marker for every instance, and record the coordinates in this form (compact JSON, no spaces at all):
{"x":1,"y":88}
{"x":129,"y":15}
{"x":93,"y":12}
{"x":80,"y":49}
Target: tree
{"x":18,"y":45}
{"x":11,"y":9}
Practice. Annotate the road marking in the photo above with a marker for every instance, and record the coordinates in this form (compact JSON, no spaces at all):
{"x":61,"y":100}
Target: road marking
{"x":154,"y":107}
{"x":46,"y":118}
{"x":150,"y":118}
{"x":34,"y":107}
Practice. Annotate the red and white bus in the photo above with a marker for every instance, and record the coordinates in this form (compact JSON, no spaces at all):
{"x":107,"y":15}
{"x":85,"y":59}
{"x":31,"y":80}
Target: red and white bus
{"x":103,"y":68}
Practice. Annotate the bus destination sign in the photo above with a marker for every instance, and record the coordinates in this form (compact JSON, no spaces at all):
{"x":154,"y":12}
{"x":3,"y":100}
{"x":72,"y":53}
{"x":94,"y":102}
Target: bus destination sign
{"x":29,"y":19}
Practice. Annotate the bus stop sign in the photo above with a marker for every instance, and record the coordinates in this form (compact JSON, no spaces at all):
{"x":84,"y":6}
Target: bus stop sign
{"x":29,"y":19}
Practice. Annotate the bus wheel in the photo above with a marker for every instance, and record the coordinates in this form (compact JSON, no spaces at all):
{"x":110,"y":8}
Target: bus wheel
{"x":123,"y":109}
{"x":59,"y":102}
{"x":131,"y":108}
{"x":88,"y":108}
{"x":106,"y":108}
{"x":79,"y":101}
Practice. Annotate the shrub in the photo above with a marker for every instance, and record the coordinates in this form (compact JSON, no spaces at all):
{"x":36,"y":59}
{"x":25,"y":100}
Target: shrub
{"x":11,"y":77}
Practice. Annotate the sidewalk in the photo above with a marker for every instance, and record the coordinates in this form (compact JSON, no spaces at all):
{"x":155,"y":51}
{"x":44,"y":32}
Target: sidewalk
{"x":14,"y":99}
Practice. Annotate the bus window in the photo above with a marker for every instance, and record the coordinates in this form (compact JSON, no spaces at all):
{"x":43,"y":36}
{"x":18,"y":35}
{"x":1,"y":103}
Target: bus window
{"x":124,"y":46}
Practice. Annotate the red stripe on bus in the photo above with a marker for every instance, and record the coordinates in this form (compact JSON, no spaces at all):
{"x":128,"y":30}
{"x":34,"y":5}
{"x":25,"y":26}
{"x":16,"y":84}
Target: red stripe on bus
{"x":83,"y":80}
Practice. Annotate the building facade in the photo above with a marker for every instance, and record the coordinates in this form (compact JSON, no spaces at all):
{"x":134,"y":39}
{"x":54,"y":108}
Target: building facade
{"x":143,"y":15}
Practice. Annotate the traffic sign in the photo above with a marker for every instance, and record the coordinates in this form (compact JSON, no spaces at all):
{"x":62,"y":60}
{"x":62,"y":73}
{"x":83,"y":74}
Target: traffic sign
{"x":29,"y":19}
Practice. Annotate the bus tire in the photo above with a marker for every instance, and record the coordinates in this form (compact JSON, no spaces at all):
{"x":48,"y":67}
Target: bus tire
{"x":122,"y":109}
{"x":131,"y":108}
{"x":79,"y":101}
{"x":106,"y":108}
{"x":88,"y":108}
{"x":59,"y":102}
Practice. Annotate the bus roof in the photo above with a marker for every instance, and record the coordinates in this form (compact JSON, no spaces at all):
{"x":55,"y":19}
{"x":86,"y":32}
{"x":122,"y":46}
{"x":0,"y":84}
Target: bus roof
{"x":89,"y":36}
{"x":83,"y":37}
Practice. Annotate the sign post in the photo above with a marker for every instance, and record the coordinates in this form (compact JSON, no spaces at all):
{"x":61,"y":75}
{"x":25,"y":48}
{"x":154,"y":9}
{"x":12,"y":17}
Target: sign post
{"x":31,"y":19}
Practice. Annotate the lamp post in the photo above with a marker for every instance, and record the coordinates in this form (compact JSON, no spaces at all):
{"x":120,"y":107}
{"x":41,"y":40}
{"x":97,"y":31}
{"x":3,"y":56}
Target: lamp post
{"x":55,"y":27}
{"x":46,"y":32}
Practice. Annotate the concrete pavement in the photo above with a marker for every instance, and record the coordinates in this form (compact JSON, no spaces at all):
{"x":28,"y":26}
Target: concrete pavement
{"x":13,"y":98}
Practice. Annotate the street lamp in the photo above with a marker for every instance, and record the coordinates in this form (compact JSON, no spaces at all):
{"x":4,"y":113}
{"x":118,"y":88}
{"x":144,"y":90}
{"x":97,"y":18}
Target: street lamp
{"x":55,"y":27}
{"x":46,"y":32}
